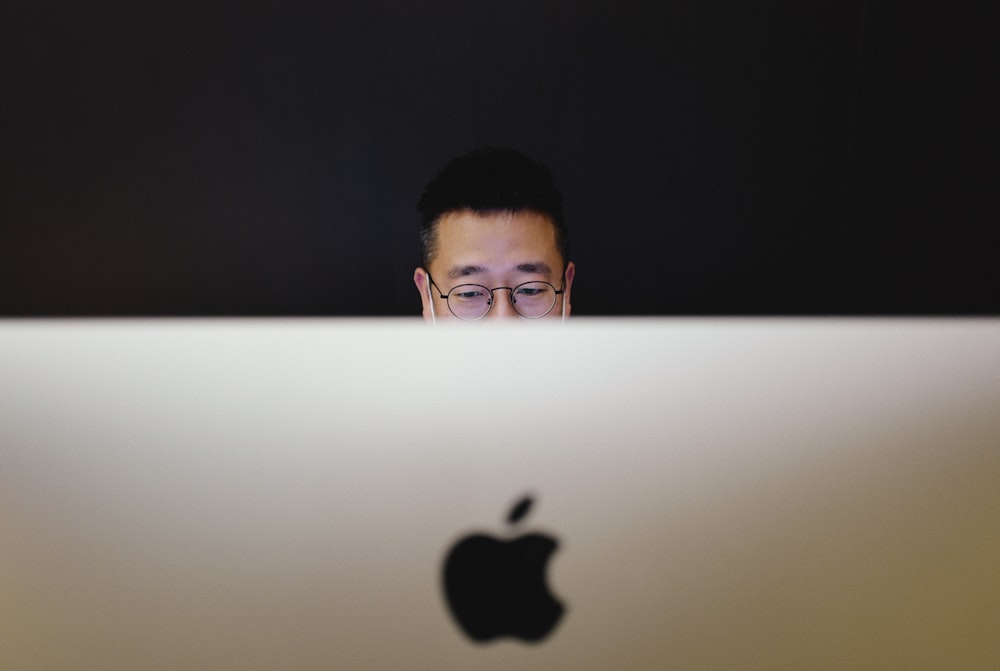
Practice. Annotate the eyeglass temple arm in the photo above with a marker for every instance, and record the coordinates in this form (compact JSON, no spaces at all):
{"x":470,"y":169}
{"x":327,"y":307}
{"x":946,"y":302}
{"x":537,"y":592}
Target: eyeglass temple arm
{"x":431,"y":282}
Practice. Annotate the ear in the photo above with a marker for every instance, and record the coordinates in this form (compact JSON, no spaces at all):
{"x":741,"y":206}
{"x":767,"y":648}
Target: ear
{"x":570,"y":274}
{"x":420,"y":278}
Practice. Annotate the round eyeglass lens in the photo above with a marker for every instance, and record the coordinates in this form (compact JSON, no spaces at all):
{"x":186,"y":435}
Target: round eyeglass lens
{"x":533,"y":299}
{"x":469,"y":301}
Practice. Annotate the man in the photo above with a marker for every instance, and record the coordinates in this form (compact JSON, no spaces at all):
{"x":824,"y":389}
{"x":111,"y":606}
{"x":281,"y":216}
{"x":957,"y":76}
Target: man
{"x":493,"y":241}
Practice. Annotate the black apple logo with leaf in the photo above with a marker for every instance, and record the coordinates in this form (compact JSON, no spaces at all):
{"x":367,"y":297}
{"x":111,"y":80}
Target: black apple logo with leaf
{"x":496,"y":587}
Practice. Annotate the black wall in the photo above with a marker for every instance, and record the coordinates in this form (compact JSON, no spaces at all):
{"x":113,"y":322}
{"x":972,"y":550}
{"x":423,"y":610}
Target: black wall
{"x":717,"y":157}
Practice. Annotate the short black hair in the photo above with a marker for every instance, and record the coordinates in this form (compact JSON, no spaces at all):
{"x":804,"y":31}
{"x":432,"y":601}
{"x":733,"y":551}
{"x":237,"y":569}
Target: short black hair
{"x":486,"y":180}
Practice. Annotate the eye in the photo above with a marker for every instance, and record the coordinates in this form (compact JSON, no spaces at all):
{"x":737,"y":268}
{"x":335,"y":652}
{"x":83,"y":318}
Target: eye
{"x":532,"y":290}
{"x":469,"y":293}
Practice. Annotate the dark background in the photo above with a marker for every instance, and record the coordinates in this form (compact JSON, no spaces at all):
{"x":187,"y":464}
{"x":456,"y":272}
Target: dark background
{"x":717,"y":156}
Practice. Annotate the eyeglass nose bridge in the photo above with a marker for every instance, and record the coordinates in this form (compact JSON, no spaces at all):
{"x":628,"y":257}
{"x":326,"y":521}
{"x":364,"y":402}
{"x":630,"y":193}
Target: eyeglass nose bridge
{"x":513,"y":301}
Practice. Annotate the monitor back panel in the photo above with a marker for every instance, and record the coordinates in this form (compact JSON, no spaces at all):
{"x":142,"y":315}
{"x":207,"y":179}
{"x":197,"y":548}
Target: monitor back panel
{"x":260,"y":494}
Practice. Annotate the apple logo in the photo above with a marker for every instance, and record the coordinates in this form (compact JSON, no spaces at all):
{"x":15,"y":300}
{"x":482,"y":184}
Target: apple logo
{"x":496,"y":587}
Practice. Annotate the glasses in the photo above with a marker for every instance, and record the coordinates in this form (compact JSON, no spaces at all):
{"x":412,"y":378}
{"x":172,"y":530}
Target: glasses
{"x":474,"y":301}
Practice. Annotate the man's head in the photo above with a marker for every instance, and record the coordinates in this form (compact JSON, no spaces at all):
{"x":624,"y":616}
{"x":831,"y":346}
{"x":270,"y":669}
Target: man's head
{"x":493,"y":218}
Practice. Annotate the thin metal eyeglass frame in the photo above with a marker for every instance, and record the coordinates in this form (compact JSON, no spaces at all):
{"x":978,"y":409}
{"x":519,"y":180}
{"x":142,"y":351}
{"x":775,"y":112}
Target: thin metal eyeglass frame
{"x":513,"y":303}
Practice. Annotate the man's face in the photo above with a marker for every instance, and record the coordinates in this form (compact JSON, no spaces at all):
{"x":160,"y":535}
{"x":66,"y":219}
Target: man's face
{"x":501,"y":249}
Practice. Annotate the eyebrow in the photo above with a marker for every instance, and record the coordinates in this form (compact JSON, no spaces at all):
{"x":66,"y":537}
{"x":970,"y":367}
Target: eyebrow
{"x":465,"y":271}
{"x":536,"y":267}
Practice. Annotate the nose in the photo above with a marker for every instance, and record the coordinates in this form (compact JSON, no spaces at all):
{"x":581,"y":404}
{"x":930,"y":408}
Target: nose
{"x":502,"y":308}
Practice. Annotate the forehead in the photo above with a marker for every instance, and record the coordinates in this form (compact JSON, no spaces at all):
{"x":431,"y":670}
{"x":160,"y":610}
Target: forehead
{"x":495,"y":238}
